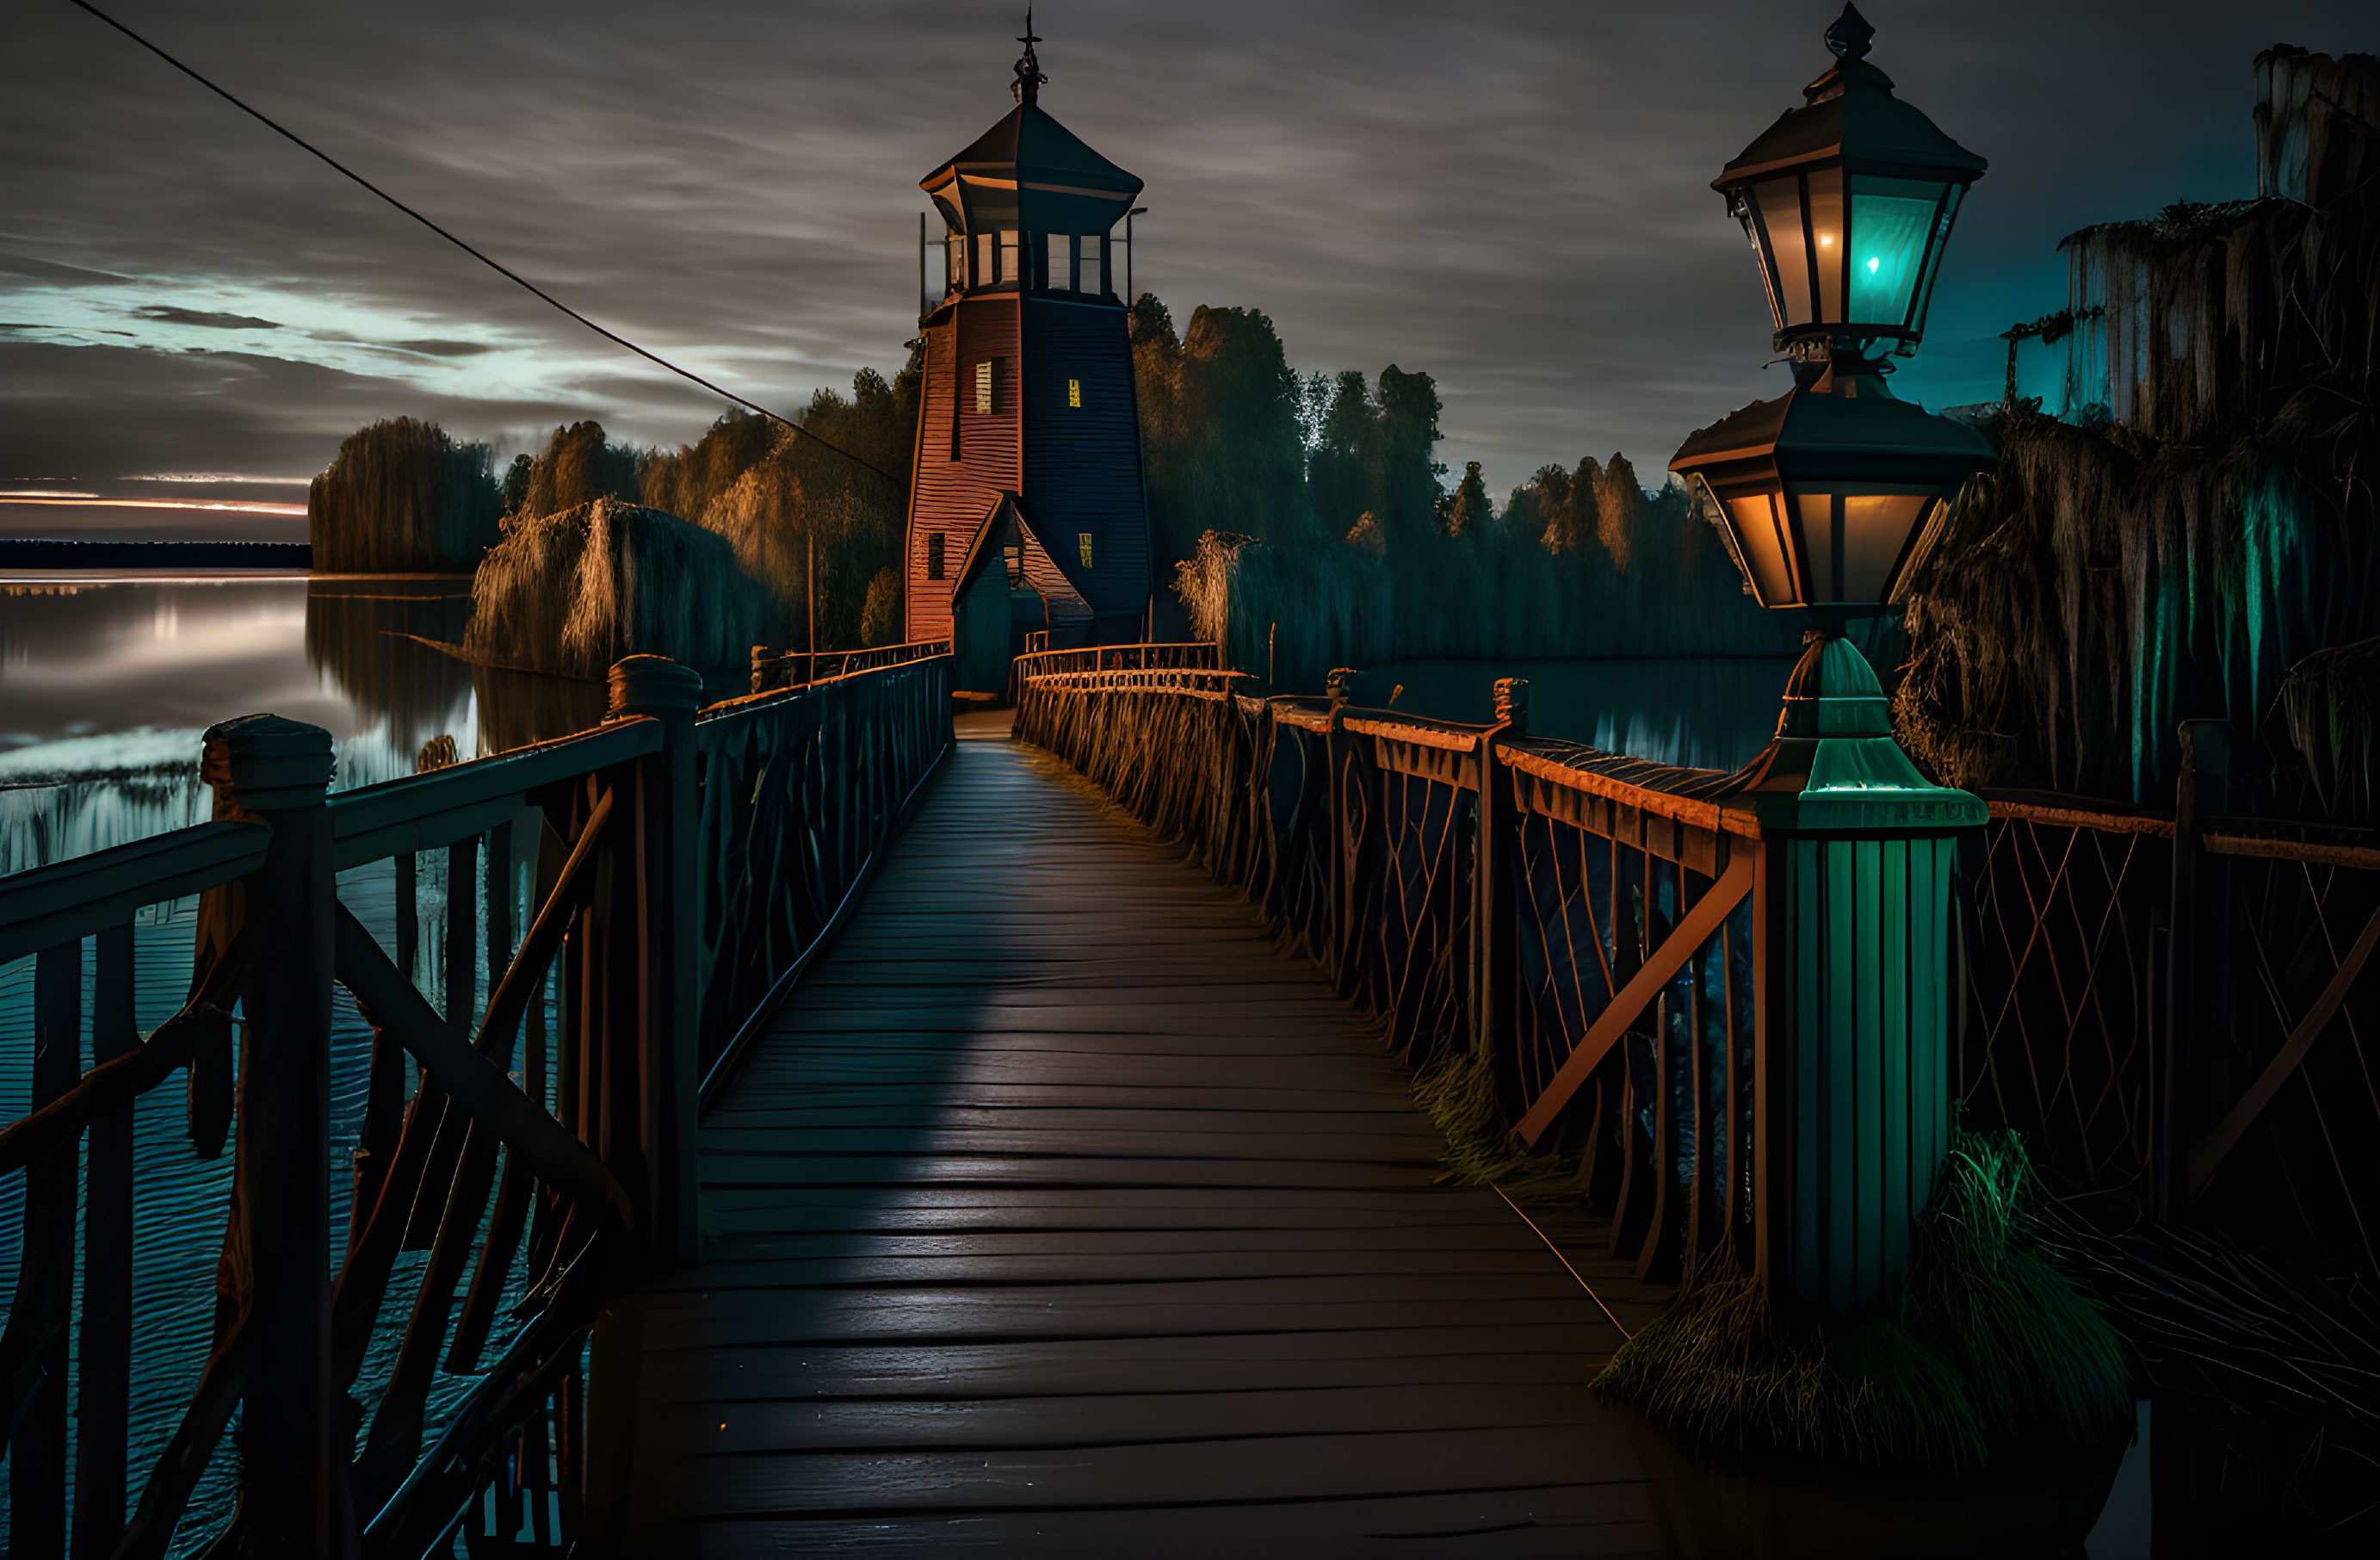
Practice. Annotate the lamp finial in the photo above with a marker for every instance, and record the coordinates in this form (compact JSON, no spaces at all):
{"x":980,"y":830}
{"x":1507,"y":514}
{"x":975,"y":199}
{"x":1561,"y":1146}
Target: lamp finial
{"x":1848,"y":38}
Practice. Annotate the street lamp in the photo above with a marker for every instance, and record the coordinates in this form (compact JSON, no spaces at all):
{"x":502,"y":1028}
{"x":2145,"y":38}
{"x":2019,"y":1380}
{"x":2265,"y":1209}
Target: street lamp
{"x":1830,"y":496}
{"x":1848,"y":202}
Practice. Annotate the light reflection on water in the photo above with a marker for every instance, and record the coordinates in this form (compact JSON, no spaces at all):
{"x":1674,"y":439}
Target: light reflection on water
{"x":105,"y":688}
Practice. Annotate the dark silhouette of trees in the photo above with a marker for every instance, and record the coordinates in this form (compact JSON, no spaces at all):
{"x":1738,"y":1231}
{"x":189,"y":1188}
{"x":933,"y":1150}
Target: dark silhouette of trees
{"x":401,"y":497}
{"x":1468,"y":504}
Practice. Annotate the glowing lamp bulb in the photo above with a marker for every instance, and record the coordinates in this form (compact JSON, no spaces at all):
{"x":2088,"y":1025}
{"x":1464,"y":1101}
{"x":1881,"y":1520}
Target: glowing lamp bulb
{"x":1872,"y":263}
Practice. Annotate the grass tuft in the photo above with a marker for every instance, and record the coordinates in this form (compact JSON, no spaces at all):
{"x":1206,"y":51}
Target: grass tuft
{"x":1989,"y":1338}
{"x":1457,"y":1089}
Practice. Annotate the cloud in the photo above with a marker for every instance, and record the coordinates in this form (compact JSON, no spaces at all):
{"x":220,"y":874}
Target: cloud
{"x":168,"y":314}
{"x":1512,"y":196}
{"x":51,"y":271}
{"x":444,"y":348}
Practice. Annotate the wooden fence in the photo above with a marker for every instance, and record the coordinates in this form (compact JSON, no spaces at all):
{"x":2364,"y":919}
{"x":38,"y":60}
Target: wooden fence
{"x":2173,"y":1007}
{"x":1628,"y":944}
{"x":1636,"y":951}
{"x":684,"y":862}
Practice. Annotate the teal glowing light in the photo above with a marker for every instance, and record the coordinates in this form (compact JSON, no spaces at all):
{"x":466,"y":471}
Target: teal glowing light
{"x":1848,"y":202}
{"x":1891,"y":219}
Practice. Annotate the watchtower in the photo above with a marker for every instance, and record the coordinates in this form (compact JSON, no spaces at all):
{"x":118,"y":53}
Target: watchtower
{"x":1026,"y":510}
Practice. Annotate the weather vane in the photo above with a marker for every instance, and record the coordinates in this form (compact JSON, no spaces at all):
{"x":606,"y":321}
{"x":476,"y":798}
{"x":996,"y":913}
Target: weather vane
{"x":1027,"y":85}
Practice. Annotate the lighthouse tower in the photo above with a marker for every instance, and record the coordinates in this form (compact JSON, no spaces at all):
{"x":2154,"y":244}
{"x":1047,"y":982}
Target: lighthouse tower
{"x":1026,"y":510}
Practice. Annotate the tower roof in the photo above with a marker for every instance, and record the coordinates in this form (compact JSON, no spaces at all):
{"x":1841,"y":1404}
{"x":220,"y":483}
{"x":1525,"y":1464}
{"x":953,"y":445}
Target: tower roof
{"x":1030,"y":171}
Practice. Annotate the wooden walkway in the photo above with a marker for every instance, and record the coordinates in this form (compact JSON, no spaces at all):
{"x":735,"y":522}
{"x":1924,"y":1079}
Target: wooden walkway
{"x":1057,"y":1216}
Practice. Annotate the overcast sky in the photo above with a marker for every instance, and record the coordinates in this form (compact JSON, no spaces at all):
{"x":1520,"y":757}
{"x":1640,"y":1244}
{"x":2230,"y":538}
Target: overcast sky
{"x":1513,"y":198}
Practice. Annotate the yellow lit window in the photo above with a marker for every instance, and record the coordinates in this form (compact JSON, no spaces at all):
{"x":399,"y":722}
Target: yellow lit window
{"x":983,"y":384}
{"x":1084,"y":539}
{"x":1074,"y":392}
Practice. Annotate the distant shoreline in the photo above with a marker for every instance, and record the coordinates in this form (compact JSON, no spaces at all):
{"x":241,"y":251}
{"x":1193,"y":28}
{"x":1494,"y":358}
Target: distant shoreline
{"x":39,"y":551}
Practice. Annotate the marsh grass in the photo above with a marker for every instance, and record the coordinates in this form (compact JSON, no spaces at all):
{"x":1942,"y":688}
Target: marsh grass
{"x":1991,"y":1339}
{"x":1457,"y":1089}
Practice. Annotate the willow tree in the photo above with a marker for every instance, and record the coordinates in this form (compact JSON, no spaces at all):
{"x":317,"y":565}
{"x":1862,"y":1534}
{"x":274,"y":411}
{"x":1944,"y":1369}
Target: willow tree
{"x":402,"y":497}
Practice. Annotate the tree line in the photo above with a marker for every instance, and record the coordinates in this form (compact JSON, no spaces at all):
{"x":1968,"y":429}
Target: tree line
{"x":1308,"y":519}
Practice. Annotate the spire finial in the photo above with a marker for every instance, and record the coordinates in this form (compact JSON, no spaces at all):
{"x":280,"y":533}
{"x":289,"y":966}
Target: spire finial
{"x":1027,"y":85}
{"x":1848,"y":38}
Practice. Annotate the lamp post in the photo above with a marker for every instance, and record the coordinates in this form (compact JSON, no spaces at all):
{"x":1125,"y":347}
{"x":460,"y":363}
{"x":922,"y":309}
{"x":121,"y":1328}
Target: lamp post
{"x":1830,"y":497}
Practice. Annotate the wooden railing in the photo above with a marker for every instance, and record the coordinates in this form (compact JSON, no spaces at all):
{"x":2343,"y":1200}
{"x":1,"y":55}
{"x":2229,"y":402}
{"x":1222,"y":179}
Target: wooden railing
{"x":1634,"y":951}
{"x":774,"y":669}
{"x":684,"y":865}
{"x":1192,"y":656}
{"x":2174,"y":1008}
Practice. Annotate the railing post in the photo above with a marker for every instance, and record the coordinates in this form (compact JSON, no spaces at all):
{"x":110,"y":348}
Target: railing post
{"x":103,"y":1352}
{"x":668,"y":1069}
{"x":1495,"y":860}
{"x":1342,"y":869}
{"x":278,"y":1255}
{"x":2195,"y":960}
{"x":1853,"y":1069}
{"x":40,"y":1312}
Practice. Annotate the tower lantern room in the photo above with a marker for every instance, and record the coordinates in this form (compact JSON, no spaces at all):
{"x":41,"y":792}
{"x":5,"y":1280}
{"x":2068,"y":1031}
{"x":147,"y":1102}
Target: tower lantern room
{"x":1028,"y":514}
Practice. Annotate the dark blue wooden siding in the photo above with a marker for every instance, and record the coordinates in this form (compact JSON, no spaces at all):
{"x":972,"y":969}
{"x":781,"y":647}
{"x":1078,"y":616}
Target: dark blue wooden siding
{"x":1081,"y":464}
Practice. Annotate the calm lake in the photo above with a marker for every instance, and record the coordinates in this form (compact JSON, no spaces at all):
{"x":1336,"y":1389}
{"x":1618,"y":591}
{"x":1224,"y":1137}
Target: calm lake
{"x":106,"y":686}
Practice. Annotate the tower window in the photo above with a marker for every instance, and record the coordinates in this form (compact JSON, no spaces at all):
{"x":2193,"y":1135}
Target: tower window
{"x":934,"y":543}
{"x":1008,"y":266}
{"x":982,"y":277}
{"x":1083,"y":539}
{"x":1092,"y":280}
{"x":1061,"y":262}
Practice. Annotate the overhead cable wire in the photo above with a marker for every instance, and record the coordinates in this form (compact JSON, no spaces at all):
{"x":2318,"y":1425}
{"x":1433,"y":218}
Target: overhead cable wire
{"x":493,"y":264}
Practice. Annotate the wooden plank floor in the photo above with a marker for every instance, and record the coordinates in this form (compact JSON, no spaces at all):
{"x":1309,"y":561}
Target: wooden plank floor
{"x":1057,"y":1215}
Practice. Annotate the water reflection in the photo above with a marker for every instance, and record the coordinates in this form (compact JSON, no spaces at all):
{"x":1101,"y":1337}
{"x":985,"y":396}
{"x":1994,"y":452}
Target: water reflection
{"x":377,"y":640}
{"x":1712,"y":712}
{"x":519,"y":708}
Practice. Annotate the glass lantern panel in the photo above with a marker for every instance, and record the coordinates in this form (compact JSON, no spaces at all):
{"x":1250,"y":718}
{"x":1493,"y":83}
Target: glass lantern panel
{"x":1090,"y":280}
{"x":1776,"y":207}
{"x":1762,"y":537}
{"x":1821,"y":549}
{"x":1742,"y":211}
{"x":1827,"y":240}
{"x":1876,"y":528}
{"x":1891,"y":219}
{"x":1060,"y":270}
{"x":1934,"y":261}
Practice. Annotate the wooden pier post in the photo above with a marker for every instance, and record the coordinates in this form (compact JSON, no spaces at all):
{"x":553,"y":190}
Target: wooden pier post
{"x":277,"y":1254}
{"x":668,"y":1069}
{"x":1495,"y":865}
{"x":2196,"y":964}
